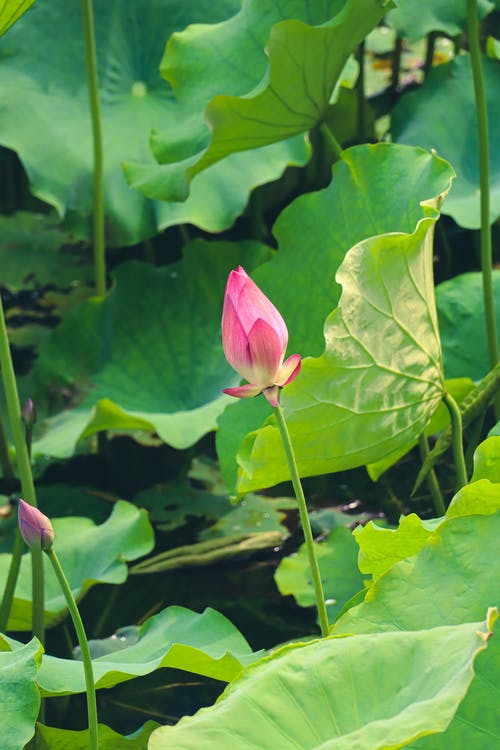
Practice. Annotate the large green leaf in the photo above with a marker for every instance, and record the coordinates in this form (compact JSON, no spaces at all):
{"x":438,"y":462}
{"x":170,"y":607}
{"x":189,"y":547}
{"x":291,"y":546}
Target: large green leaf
{"x":206,"y":644}
{"x":415,"y":20}
{"x":89,"y":554}
{"x":149,"y":355}
{"x":381,"y":548}
{"x":339,"y":693}
{"x":51,"y":738}
{"x":460,"y":306}
{"x":197,"y":75}
{"x":418,"y":120}
{"x":448,"y":581}
{"x":45,"y":110}
{"x":324,"y":225}
{"x":19,"y":695}
{"x":304,"y":65}
{"x":337,"y":559}
{"x":380,"y":379}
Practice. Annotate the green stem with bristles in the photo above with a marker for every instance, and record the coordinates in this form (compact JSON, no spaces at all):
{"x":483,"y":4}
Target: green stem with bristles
{"x":484,"y":184}
{"x":304,"y":519}
{"x":457,"y":443}
{"x":84,"y":646}
{"x":28,"y":491}
{"x":98,"y":171}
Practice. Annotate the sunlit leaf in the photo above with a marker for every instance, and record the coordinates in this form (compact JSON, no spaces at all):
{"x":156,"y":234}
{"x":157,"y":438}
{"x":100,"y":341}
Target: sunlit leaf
{"x":340,"y":693}
{"x":323,"y":226}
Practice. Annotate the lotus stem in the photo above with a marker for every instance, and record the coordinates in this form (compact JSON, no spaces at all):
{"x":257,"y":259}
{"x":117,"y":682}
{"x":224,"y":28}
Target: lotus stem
{"x":457,"y":439}
{"x":84,"y":646}
{"x":28,"y":491}
{"x":98,"y":170}
{"x":304,"y":519}
{"x":484,"y":183}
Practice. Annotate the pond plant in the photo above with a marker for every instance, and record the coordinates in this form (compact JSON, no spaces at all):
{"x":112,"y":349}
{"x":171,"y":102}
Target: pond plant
{"x":191,"y":191}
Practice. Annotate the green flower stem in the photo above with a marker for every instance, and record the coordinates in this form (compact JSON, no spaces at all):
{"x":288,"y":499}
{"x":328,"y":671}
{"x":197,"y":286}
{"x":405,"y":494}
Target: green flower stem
{"x":484,"y":183}
{"x":330,"y":138}
{"x":304,"y":519}
{"x":28,"y":490}
{"x":457,"y":439}
{"x":98,"y":182}
{"x":82,"y":640}
{"x":431,"y":478}
{"x":429,"y":53}
{"x":360,"y":94}
{"x":5,"y":462}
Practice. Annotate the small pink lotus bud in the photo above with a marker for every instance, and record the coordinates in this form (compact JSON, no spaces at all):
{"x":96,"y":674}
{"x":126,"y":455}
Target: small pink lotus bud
{"x":35,"y":527}
{"x":28,"y":413}
{"x":255,"y":337}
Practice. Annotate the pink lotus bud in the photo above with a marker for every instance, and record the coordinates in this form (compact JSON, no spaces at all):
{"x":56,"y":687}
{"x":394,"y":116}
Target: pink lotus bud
{"x":35,"y":528}
{"x":28,"y":413}
{"x":255,"y":337}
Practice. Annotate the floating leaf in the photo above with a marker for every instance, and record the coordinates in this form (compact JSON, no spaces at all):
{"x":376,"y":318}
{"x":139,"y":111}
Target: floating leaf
{"x":19,"y":695}
{"x":418,"y":120}
{"x":206,"y":644}
{"x":337,"y":559}
{"x":340,"y":693}
{"x":324,"y":225}
{"x":158,"y":327}
{"x":89,"y":554}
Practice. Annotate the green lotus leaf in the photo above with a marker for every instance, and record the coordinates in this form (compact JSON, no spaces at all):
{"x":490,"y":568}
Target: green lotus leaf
{"x":340,"y":693}
{"x":418,"y":120}
{"x":460,"y":306}
{"x":19,"y":695}
{"x":304,"y":65}
{"x":381,"y":548}
{"x":487,"y":461}
{"x":149,"y":355}
{"x":206,"y":644}
{"x":324,"y":225}
{"x":89,"y":554}
{"x":447,"y":582}
{"x":380,"y":379}
{"x":45,"y":114}
{"x":415,"y":20}
{"x":200,"y":78}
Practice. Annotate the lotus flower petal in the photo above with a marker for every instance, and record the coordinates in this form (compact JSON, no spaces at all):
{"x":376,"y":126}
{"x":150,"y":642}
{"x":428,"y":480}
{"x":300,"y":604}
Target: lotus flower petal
{"x":266,"y":353}
{"x":235,"y":341}
{"x":244,"y":391}
{"x":289,"y":370}
{"x":35,"y":527}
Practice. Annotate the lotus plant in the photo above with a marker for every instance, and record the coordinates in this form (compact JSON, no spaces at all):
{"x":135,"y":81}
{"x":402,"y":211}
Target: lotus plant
{"x":255,"y":337}
{"x":37,"y":532}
